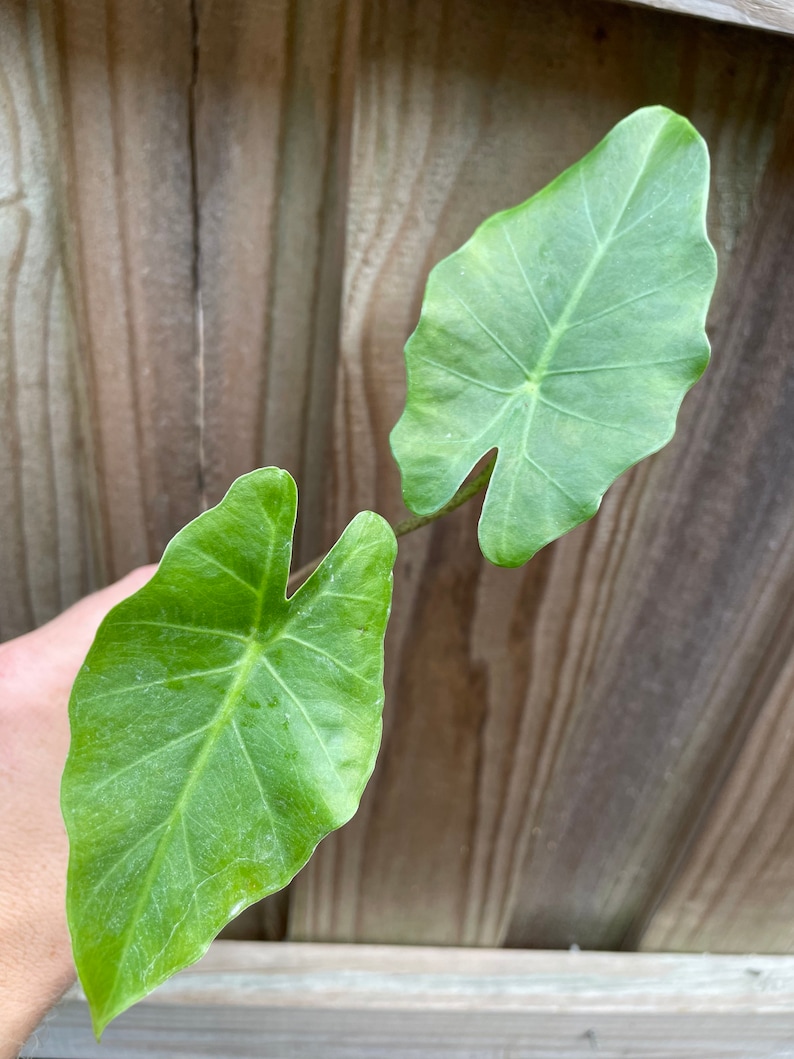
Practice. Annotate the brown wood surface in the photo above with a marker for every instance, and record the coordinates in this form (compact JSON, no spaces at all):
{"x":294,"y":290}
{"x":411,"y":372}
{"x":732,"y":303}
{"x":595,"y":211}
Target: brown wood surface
{"x":273,"y":115}
{"x":737,"y":885}
{"x":123,"y":73}
{"x":173,"y":202}
{"x":363,"y":1001}
{"x":273,"y":107}
{"x":46,"y":518}
{"x":216,"y":220}
{"x":551,"y":733}
{"x":99,"y":323}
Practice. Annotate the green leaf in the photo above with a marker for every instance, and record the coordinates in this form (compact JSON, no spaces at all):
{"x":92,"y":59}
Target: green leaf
{"x":564,"y":334}
{"x":219,"y":731}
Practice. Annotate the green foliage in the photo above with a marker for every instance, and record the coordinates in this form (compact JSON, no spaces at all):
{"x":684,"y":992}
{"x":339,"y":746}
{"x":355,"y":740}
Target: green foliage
{"x":564,"y":334}
{"x":219,"y":731}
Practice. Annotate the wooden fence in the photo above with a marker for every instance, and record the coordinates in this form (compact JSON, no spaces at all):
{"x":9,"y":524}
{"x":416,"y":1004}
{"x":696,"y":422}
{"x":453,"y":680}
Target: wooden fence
{"x":217,"y":219}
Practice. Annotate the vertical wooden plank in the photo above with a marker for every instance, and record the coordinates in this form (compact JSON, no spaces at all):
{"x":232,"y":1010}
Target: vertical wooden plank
{"x":45,"y":520}
{"x":125,"y":79}
{"x":240,"y":75}
{"x":532,"y":781}
{"x":704,"y":629}
{"x":733,"y":892}
{"x":100,"y":377}
{"x":274,"y":111}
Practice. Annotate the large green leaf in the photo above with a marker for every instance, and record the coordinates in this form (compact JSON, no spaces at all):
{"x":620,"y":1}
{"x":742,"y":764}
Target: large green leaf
{"x":564,"y":334}
{"x":219,"y":731}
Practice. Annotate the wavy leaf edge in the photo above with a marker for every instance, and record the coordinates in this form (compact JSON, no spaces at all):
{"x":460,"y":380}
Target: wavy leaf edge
{"x":104,"y":1008}
{"x":422,"y":505}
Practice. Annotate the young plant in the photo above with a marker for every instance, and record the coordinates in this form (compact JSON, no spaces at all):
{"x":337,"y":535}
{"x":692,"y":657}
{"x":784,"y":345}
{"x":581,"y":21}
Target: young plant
{"x":221,"y":729}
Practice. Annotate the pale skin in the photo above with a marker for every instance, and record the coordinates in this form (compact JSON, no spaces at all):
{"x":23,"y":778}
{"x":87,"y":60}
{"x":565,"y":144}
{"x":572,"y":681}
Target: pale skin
{"x":36,"y":674}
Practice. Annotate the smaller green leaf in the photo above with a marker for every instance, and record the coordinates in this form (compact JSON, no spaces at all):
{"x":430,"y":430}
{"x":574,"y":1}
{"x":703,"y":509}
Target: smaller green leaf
{"x":564,"y":334}
{"x":219,"y":731}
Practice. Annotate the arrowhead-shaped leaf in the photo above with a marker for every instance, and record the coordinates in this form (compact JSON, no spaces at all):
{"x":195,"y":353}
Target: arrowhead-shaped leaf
{"x":564,"y":334}
{"x":219,"y":731}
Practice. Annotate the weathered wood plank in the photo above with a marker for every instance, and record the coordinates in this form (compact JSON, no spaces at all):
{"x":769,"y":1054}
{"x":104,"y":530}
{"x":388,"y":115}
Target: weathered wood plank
{"x":704,"y":632}
{"x":552,"y":733}
{"x":124,"y":78}
{"x":356,"y":1001}
{"x":735,"y":890}
{"x":238,"y":104}
{"x":273,"y":115}
{"x":273,"y":124}
{"x":547,"y":730}
{"x":776,"y":15}
{"x":207,"y":150}
{"x":46,"y":521}
{"x":99,"y":381}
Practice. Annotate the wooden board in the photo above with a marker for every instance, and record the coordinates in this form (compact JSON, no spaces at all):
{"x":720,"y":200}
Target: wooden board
{"x":359,"y":1002}
{"x":215,"y":225}
{"x":273,"y":119}
{"x":548,"y":731}
{"x":97,"y":284}
{"x":736,"y":888}
{"x":46,"y":520}
{"x":272,"y":103}
{"x":123,"y":73}
{"x":173,"y":202}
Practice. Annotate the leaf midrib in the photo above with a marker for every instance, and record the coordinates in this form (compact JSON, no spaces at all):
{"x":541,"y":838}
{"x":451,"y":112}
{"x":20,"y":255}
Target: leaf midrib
{"x":257,"y":648}
{"x":247,"y":662}
{"x":538,"y":372}
{"x":562,"y":323}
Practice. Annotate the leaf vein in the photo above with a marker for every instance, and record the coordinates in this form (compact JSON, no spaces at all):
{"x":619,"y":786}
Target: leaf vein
{"x":324,"y":654}
{"x":589,"y":419}
{"x":587,"y":211}
{"x":529,"y":286}
{"x":148,"y":756}
{"x":462,"y":375}
{"x":159,"y":683}
{"x":630,"y":301}
{"x":258,"y":782}
{"x":551,"y":479}
{"x":619,"y":367}
{"x":320,"y":742}
{"x":561,"y":325}
{"x":187,"y":628}
{"x":221,"y":566}
{"x":494,"y":338}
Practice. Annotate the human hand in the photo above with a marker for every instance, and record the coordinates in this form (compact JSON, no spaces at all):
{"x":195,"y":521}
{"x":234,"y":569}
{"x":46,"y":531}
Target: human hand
{"x":36,"y":675}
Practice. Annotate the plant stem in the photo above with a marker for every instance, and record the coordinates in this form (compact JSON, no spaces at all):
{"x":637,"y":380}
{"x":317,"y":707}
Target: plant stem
{"x":415,"y":522}
{"x":466,"y":492}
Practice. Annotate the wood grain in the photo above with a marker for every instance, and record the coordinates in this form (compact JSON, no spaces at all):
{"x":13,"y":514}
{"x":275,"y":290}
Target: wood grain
{"x":735,"y":890}
{"x":548,"y":731}
{"x":199,"y":153}
{"x":356,"y":1001}
{"x":46,"y":522}
{"x":216,"y":220}
{"x":124,"y":78}
{"x":273,"y":120}
{"x":273,"y":124}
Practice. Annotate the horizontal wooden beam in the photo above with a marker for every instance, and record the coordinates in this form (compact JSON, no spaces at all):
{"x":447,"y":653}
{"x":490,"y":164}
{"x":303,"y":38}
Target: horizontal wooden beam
{"x":777,"y":15}
{"x":359,"y":1001}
